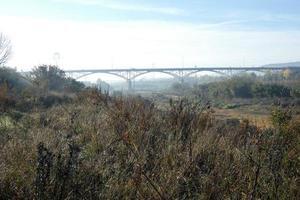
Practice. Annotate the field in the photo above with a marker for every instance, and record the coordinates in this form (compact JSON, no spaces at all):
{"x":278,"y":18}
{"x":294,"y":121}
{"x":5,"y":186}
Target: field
{"x":258,"y":115}
{"x":257,"y":111}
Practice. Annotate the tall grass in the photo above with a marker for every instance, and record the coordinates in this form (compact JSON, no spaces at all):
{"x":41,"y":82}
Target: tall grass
{"x":101,"y":147}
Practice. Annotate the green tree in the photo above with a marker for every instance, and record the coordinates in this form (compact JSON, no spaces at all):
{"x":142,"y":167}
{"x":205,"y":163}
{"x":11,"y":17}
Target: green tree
{"x":13,"y":80}
{"x":51,"y":78}
{"x":48,"y":77}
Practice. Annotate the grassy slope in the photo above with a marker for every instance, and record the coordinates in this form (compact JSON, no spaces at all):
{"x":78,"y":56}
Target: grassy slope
{"x":125,"y":148}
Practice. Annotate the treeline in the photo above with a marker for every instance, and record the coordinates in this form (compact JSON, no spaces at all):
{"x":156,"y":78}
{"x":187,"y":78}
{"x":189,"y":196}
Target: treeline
{"x":246,"y":86}
{"x":44,"y":85}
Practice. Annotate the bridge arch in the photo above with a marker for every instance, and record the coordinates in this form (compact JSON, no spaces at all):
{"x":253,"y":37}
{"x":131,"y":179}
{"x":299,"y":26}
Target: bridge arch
{"x":148,"y":72}
{"x":214,"y":71}
{"x":110,"y":73}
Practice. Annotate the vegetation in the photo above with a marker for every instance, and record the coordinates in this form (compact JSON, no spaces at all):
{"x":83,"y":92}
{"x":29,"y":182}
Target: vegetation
{"x":12,"y":79}
{"x":45,"y":86}
{"x":245,"y":86}
{"x":51,"y":78}
{"x":240,"y":87}
{"x":94,"y":146}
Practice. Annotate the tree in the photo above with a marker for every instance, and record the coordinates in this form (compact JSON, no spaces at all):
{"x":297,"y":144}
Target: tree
{"x":12,"y":79}
{"x":5,"y":49}
{"x":51,"y":78}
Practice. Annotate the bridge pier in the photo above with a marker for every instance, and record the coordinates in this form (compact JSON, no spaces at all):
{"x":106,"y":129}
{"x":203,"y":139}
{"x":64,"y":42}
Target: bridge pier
{"x":181,"y":79}
{"x":129,"y":86}
{"x":181,"y":76}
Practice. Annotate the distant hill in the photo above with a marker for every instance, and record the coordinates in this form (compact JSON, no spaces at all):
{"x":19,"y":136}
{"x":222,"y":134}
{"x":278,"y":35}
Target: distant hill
{"x":290,"y":64}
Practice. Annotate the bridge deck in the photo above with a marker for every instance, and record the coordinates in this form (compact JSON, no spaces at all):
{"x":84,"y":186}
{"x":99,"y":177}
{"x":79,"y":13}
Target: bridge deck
{"x":183,"y":69}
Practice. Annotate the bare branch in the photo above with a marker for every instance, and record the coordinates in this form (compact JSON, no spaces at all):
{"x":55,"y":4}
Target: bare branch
{"x":5,"y":49}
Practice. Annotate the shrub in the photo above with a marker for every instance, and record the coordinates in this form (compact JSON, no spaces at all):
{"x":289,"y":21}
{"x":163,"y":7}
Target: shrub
{"x":101,"y":147}
{"x":51,"y":78}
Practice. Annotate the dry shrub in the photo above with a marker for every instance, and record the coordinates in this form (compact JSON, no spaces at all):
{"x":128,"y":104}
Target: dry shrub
{"x":101,"y":147}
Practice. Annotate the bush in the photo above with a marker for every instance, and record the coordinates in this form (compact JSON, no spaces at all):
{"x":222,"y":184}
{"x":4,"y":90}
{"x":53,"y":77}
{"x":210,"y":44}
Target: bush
{"x":51,"y":78}
{"x":280,"y":117}
{"x":243,"y":87}
{"x":101,"y":147}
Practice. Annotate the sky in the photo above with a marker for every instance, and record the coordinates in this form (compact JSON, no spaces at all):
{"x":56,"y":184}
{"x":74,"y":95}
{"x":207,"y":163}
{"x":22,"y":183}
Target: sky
{"x":91,"y":34}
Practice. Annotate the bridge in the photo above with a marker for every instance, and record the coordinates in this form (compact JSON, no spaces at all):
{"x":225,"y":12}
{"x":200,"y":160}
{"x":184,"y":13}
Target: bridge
{"x":179,"y":73}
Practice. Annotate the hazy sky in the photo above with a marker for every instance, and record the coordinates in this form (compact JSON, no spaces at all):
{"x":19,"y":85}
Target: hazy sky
{"x":159,"y":33}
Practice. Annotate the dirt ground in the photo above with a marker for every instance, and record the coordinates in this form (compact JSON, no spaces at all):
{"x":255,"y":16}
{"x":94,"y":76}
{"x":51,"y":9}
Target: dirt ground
{"x":257,"y":114}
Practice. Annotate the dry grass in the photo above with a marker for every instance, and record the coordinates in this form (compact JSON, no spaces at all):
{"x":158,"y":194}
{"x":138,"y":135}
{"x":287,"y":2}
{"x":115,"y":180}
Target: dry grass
{"x":99,"y":147}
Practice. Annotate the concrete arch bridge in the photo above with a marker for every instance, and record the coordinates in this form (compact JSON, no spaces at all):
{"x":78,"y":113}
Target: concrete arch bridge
{"x":130,"y":74}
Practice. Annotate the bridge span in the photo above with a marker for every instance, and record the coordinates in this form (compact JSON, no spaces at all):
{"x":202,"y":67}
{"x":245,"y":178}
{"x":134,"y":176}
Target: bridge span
{"x":179,"y":73}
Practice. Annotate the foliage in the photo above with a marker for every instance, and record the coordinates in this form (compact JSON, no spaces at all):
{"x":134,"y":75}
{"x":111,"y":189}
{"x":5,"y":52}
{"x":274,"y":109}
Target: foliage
{"x":14,"y":81}
{"x":244,"y":87}
{"x":280,"y":117}
{"x":58,"y":141}
{"x":51,"y":78}
{"x":101,"y":147}
{"x":180,"y":87}
{"x":12,"y":85}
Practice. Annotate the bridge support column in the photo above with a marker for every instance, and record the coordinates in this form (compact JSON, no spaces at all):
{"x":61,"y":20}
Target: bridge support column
{"x":181,"y":76}
{"x":182,"y":80}
{"x":129,"y":85}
